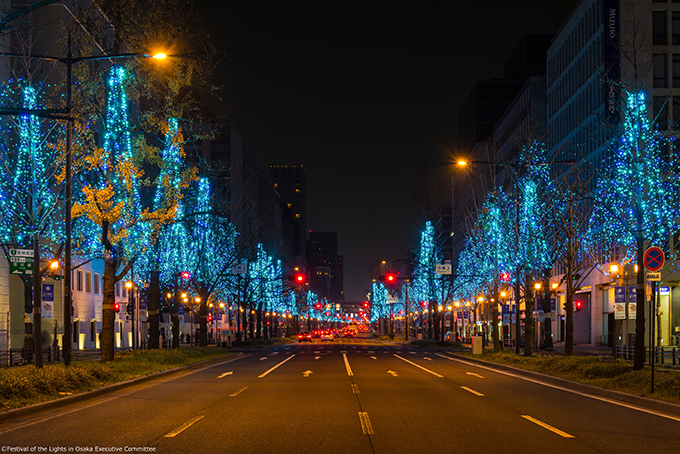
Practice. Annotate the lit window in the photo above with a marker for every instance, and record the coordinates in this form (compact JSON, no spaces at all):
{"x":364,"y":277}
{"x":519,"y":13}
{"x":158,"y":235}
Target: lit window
{"x":297,"y":215}
{"x":297,"y":191}
{"x":290,"y":205}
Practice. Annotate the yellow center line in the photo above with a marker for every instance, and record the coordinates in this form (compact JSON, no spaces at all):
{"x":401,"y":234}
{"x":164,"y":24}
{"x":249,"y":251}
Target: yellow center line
{"x":184,"y":426}
{"x":419,"y":366}
{"x":265,"y":374}
{"x":349,"y":369}
{"x":365,"y":423}
{"x":547,"y":426}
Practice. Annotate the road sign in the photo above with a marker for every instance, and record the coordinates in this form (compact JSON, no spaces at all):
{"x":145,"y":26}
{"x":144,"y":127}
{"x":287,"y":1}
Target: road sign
{"x":443,"y":269}
{"x":654,"y":259}
{"x":20,"y":261}
{"x":241,"y":268}
{"x":653,"y":276}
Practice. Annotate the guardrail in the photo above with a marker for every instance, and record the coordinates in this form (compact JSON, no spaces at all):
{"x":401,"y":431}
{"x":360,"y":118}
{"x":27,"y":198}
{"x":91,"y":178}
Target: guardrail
{"x":662,"y":355}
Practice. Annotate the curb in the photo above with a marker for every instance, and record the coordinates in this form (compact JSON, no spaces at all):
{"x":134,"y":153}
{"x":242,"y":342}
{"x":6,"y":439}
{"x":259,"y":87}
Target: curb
{"x":619,"y":396}
{"x":15,"y":413}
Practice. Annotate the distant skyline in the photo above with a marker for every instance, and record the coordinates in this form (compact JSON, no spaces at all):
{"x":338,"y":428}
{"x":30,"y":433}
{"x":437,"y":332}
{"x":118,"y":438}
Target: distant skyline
{"x":362,"y":95}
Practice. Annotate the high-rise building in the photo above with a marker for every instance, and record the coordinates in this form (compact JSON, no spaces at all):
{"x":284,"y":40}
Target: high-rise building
{"x":290,"y":182}
{"x":325,"y":266}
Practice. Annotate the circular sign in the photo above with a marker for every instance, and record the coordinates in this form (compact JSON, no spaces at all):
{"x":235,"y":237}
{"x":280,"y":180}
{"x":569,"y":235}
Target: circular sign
{"x":654,"y":259}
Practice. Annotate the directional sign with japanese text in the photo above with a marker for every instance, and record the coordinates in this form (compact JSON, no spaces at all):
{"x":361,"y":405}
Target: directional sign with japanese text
{"x":654,"y":259}
{"x":20,"y":261}
{"x":443,"y":269}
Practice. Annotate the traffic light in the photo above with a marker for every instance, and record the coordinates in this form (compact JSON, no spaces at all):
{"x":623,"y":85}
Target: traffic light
{"x":299,"y":278}
{"x":210,"y":318}
{"x":185,"y":275}
{"x":116,"y":307}
{"x":578,"y":305}
{"x":389,"y":278}
{"x":317,"y":306}
{"x":505,"y":276}
{"x":129,"y":308}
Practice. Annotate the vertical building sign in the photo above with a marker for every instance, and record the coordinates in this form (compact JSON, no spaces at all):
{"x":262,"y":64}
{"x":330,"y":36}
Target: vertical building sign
{"x":47,"y":301}
{"x":612,"y":59}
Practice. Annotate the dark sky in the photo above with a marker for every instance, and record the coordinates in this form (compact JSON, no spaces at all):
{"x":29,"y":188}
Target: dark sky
{"x":362,"y":94}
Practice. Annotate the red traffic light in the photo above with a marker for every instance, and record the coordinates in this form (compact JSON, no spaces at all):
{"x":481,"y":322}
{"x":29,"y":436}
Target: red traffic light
{"x":578,"y":305}
{"x":116,"y":307}
{"x":299,"y":278}
{"x":210,"y":318}
{"x":186,"y":275}
{"x":505,"y":277}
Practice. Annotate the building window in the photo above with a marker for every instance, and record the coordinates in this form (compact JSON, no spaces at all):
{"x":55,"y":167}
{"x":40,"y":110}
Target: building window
{"x":88,"y":281}
{"x":660,"y":74}
{"x":676,"y":70}
{"x":297,"y":191}
{"x":297,"y":215}
{"x":659,"y":32}
{"x":676,"y":27}
{"x":79,"y":280}
{"x":96,"y":283}
{"x":117,"y":288}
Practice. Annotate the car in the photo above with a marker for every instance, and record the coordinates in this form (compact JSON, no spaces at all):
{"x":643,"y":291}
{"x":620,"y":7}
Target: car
{"x":304,"y":337}
{"x":326,"y":337}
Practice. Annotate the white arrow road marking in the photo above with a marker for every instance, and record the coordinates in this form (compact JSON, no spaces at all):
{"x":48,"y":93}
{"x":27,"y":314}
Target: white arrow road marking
{"x":474,"y":375}
{"x":234,"y":394}
{"x":349,"y":369}
{"x":274,"y":353}
{"x":419,"y":366}
{"x":547,"y":426}
{"x":365,"y":423}
{"x":425,"y":357}
{"x":307,"y":373}
{"x":184,"y":426}
{"x":394,"y":374}
{"x":263,"y":358}
{"x":287,"y":359}
{"x":472,"y":391}
{"x":373,"y":357}
{"x":225,"y":374}
{"x":317,"y":357}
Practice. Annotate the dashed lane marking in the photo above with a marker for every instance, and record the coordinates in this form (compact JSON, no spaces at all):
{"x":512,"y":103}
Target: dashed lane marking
{"x":184,"y":426}
{"x":287,"y":359}
{"x":548,"y":426}
{"x":365,"y":423}
{"x":476,"y":393}
{"x":419,"y":366}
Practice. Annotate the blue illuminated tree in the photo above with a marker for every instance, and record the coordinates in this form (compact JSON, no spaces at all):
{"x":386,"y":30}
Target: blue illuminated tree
{"x":637,"y":196}
{"x":31,"y":161}
{"x":110,"y":220}
{"x":426,"y":283}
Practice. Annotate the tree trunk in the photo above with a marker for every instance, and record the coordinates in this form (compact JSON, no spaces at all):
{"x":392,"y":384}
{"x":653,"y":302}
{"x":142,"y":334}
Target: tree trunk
{"x":153,"y":306}
{"x":203,"y":320}
{"x":495,"y":333}
{"x":569,"y":324}
{"x":639,"y":359}
{"x":37,"y":305}
{"x":545,"y":303}
{"x":174,"y":317}
{"x":529,"y":320}
{"x":108,"y":313}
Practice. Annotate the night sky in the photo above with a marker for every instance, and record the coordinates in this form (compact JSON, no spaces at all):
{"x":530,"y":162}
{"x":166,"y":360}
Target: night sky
{"x":363,"y":94}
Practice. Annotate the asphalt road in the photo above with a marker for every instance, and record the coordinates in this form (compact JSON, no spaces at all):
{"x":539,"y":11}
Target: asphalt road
{"x":345,"y":397}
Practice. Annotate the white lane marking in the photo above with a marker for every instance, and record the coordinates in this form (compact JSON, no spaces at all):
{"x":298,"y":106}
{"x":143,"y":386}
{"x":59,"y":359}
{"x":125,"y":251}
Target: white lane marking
{"x":393,"y":373}
{"x":274,"y":353}
{"x":591,"y":396}
{"x":474,"y":375}
{"x":548,"y":426}
{"x":265,"y":374}
{"x":413,"y":353}
{"x":425,"y":357}
{"x":419,"y":366}
{"x":234,"y":394}
{"x":349,"y":369}
{"x":355,"y":389}
{"x":184,"y":426}
{"x":365,"y":423}
{"x":226,"y":373}
{"x":263,"y":358}
{"x":307,"y":373}
{"x":476,"y":393}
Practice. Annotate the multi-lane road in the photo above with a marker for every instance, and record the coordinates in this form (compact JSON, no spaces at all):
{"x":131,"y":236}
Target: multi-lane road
{"x":347,"y":397}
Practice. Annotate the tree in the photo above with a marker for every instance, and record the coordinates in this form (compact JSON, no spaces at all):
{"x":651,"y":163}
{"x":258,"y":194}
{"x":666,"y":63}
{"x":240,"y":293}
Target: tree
{"x":113,"y":223}
{"x":637,"y":197}
{"x":426,"y":284}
